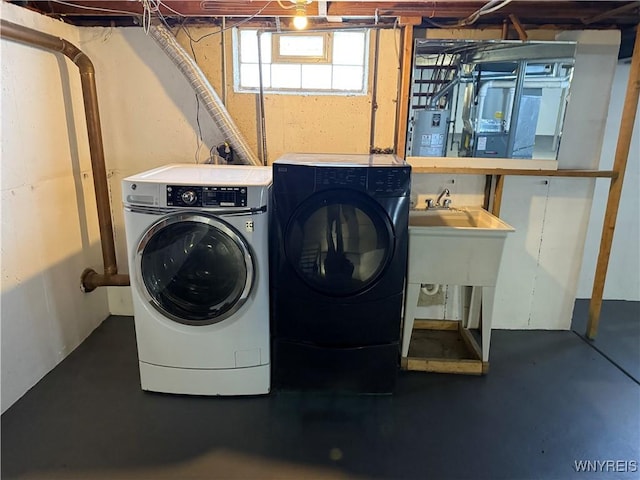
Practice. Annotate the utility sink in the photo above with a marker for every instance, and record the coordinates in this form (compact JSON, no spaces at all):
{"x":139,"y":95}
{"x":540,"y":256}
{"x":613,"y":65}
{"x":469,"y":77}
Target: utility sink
{"x":456,"y":246}
{"x":458,"y":218}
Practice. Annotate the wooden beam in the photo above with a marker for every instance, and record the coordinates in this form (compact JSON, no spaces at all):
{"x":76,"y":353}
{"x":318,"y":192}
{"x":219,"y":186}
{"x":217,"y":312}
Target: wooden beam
{"x":558,"y":12}
{"x":402,"y":111}
{"x":610,"y":13}
{"x":522,"y":34}
{"x":424,"y":324}
{"x":176,"y":8}
{"x":497,"y":196}
{"x":403,"y":21}
{"x":470,"y":342}
{"x":505,"y":30}
{"x":516,"y":171}
{"x":615,"y":189}
{"x":442,"y":365}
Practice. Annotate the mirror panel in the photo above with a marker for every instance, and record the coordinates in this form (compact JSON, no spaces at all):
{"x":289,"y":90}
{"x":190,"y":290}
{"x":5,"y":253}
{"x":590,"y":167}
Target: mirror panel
{"x":488,"y":99}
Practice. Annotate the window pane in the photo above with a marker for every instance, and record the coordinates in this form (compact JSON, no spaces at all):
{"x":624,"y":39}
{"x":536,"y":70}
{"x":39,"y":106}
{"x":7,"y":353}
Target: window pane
{"x":316,"y":76}
{"x":266,"y":47}
{"x":348,"y":48}
{"x":249,"y":76}
{"x":347,"y":78}
{"x":249,"y":46}
{"x":302,"y":46}
{"x":285,"y":76}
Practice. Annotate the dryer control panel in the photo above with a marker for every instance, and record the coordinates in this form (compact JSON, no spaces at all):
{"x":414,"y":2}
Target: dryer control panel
{"x":209,"y":196}
{"x":389,"y":181}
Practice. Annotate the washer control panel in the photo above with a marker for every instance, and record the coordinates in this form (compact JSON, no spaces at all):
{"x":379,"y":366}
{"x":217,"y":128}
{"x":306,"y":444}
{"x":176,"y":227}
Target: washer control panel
{"x":209,"y":196}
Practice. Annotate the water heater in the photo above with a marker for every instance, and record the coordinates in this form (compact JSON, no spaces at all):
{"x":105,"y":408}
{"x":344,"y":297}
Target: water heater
{"x":430,"y":131}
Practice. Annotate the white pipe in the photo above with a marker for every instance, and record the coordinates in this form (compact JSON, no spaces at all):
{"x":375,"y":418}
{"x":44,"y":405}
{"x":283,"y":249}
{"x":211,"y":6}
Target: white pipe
{"x":430,"y":288}
{"x":205,"y":92}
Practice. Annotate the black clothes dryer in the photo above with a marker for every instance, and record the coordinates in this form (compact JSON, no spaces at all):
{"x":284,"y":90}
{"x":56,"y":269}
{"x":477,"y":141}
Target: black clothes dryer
{"x":339,"y":239}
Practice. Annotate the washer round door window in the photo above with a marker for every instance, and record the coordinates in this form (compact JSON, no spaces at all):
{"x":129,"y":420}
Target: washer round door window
{"x":339,"y":242}
{"x":194,"y":269}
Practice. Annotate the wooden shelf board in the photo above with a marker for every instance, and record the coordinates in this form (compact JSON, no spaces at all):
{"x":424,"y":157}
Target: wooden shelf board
{"x":440,"y":365}
{"x":443,"y":346}
{"x":519,"y":171}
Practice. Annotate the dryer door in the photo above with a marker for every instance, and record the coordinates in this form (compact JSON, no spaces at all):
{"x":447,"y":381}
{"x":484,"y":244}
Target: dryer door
{"x":194,"y":269}
{"x":339,"y":242}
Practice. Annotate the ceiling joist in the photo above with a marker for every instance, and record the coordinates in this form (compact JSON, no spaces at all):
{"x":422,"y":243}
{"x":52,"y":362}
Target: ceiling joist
{"x":596,"y":14}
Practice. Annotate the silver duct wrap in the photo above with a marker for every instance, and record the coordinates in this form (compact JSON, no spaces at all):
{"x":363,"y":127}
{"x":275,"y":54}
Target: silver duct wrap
{"x":205,"y":92}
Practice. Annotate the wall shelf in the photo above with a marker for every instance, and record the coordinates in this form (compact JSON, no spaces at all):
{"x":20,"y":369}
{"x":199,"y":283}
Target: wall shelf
{"x":518,"y":171}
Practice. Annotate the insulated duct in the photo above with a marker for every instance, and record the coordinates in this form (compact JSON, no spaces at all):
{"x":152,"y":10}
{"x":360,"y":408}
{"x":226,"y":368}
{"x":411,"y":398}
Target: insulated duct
{"x":90,"y":279}
{"x":205,"y":92}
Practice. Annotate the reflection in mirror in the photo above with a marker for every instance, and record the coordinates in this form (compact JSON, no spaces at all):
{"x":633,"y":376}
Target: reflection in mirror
{"x":489,"y":99}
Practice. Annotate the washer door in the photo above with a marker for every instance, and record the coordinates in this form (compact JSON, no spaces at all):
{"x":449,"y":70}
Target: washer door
{"x":194,"y":269}
{"x":339,"y":242}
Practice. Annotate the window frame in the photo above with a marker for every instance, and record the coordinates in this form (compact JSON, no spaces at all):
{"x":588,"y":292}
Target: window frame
{"x":304,"y":91}
{"x":325,"y":58}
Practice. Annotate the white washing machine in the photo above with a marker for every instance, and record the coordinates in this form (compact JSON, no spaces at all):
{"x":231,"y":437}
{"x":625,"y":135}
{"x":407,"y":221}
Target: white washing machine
{"x":198,"y":257}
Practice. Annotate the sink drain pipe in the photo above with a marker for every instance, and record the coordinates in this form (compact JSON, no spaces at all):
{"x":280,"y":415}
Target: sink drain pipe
{"x":205,"y":91}
{"x":90,"y":279}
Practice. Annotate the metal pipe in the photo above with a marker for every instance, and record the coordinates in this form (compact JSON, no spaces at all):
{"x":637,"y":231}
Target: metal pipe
{"x":223,"y":59}
{"x":442,"y":92}
{"x":205,"y":92}
{"x":263,"y":120}
{"x":515,"y":110}
{"x":374,"y":92}
{"x":90,"y":279}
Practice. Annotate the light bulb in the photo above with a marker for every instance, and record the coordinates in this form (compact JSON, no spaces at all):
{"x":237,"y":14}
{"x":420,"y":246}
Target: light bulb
{"x":300,"y":22}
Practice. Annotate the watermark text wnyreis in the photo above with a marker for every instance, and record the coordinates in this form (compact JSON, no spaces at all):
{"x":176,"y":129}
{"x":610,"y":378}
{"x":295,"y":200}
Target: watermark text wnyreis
{"x":618,"y":466}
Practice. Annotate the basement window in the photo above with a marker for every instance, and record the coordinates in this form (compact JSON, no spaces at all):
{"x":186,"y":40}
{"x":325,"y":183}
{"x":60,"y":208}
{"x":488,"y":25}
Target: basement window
{"x":302,"y":63}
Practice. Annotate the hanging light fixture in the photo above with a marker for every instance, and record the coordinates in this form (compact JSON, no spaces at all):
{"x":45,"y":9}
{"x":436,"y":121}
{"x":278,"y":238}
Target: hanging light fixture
{"x":300,"y":21}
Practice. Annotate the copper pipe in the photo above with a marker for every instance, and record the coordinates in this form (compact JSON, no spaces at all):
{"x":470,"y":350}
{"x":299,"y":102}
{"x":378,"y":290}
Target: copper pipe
{"x":505,"y":29}
{"x":89,"y":279}
{"x":93,"y":279}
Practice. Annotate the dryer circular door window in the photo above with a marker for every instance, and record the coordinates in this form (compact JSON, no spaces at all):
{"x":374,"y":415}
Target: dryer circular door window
{"x":339,"y":242}
{"x":194,"y":269}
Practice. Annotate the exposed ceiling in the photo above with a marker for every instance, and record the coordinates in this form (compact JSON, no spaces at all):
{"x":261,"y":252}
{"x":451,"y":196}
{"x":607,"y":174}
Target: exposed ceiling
{"x":569,"y":14}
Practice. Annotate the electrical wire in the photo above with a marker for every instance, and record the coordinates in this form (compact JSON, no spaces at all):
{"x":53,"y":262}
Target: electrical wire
{"x":171,"y":9}
{"x":497,"y":7}
{"x":229,"y":27}
{"x":148,"y":7}
{"x":199,"y":140}
{"x":285,"y":6}
{"x":489,"y":7}
{"x":395,"y":42}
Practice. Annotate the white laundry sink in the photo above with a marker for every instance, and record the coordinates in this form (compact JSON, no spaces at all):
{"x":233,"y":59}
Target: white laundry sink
{"x":458,"y":218}
{"x":457,"y":246}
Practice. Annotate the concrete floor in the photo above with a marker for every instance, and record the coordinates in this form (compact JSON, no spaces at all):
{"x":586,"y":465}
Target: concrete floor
{"x":550,"y":399}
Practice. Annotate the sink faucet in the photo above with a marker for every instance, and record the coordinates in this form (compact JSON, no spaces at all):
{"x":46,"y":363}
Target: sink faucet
{"x":445,"y":193}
